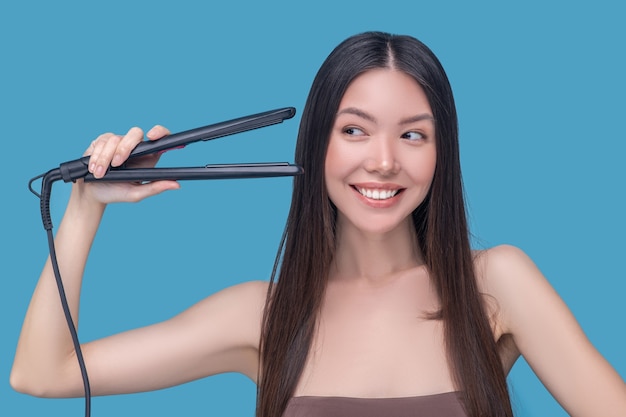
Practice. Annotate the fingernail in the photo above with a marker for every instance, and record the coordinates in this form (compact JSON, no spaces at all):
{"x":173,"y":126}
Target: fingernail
{"x":116,"y":160}
{"x":99,"y":171}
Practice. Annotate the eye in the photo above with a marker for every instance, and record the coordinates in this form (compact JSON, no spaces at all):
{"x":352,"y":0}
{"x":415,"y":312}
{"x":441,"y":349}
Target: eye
{"x":353,"y":131}
{"x":413,"y":136}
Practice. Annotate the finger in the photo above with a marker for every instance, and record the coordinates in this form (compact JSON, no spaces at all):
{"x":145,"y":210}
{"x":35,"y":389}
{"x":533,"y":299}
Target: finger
{"x":132,"y":138}
{"x":157,"y":132}
{"x":105,"y":155}
{"x":98,"y":161}
{"x":94,"y":143}
{"x":142,"y":191}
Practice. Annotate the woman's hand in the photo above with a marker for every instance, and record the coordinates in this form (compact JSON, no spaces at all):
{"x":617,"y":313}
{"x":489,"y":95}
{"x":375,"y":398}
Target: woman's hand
{"x":113,"y":150}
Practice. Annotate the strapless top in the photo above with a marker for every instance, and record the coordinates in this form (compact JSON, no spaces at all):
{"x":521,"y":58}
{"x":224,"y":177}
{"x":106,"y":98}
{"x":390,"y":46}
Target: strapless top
{"x":447,"y":404}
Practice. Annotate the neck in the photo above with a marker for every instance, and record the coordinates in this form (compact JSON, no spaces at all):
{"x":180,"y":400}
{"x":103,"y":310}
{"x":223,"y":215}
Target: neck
{"x":375,"y":257}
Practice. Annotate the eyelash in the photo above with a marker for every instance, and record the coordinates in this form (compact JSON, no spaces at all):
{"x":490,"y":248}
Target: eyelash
{"x":350,"y":131}
{"x":421,"y":136}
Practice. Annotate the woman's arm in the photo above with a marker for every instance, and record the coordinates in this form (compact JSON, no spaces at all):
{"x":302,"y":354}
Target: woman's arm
{"x":218,"y":334}
{"x":549,"y":337}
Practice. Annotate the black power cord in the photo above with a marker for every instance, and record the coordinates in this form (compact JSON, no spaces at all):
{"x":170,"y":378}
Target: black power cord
{"x":46,"y":189}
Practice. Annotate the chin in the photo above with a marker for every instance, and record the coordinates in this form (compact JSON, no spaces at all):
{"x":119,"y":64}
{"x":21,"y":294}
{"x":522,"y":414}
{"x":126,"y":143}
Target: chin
{"x":379,"y":226}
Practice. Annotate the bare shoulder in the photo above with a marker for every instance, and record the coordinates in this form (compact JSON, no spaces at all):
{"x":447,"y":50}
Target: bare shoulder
{"x":504,"y":270}
{"x":491,"y":264}
{"x":508,"y":275}
{"x":247,"y":297}
{"x":254,"y":292}
{"x":244,"y":302}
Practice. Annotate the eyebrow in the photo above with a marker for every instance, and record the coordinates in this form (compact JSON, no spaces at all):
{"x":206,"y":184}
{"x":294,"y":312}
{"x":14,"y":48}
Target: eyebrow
{"x":369,"y":117}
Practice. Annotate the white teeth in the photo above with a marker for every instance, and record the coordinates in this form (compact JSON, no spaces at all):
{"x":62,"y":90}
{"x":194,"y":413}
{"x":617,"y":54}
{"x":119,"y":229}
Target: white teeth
{"x":377,"y":194}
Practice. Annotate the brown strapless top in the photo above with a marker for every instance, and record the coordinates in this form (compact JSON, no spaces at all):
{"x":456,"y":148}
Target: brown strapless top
{"x":437,"y":405}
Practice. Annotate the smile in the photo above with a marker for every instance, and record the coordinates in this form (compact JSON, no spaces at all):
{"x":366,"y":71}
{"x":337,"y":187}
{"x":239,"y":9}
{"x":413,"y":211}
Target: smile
{"x":376,"y":194}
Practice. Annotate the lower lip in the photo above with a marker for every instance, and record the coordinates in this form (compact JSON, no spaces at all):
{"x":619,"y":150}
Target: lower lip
{"x":378,"y":203}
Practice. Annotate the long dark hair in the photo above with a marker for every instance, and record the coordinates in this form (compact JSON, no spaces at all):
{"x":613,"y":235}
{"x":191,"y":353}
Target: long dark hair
{"x":308,"y":245}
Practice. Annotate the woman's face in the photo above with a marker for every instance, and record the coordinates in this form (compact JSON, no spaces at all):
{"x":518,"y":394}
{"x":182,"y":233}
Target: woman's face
{"x":381,"y":154}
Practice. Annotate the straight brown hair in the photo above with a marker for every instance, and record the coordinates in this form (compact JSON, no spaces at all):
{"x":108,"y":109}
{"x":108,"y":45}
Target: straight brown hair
{"x":307,"y":247}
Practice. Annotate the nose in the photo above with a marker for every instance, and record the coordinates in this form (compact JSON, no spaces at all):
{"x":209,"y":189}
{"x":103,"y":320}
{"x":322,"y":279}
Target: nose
{"x":382,"y":158}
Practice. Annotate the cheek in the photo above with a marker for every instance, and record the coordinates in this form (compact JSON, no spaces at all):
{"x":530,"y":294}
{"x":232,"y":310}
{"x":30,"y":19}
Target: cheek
{"x":338,"y":161}
{"x":430,"y":165}
{"x":338,"y":166}
{"x":421,"y":167}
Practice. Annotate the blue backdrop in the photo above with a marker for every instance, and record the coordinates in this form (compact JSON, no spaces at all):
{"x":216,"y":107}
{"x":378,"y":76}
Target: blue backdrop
{"x":540,"y":91}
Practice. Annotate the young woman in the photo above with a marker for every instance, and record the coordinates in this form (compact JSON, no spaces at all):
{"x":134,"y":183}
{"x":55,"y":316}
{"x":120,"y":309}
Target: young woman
{"x":379,"y":307}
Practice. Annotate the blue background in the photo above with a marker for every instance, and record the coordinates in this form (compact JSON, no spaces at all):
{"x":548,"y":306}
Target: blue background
{"x":540,"y":91}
